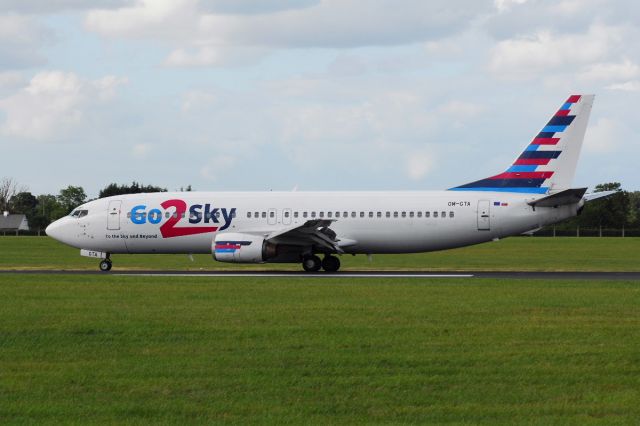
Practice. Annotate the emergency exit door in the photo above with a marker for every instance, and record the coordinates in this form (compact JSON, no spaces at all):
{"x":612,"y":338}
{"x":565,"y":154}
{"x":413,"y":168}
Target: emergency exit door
{"x":484,"y":215}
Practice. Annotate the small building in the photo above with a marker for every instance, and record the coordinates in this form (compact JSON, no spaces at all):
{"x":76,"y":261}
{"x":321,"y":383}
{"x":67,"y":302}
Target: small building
{"x":13,"y":223}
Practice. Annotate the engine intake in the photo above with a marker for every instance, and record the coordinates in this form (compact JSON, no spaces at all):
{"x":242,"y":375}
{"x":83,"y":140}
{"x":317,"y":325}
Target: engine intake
{"x":242,"y":248}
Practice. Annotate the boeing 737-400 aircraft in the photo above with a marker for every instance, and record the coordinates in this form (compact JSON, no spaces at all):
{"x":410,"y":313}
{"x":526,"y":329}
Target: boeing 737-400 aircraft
{"x":296,"y":227}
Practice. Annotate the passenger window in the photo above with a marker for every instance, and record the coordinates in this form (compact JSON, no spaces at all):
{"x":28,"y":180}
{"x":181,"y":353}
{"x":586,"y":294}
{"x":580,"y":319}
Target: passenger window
{"x":370,"y":214}
{"x":256,"y":215}
{"x":264,"y":215}
{"x":450,"y":214}
{"x":361,"y":214}
{"x":353,"y":214}
{"x":337,"y":214}
{"x":272,"y":214}
{"x":167,"y":215}
{"x":129,"y":214}
{"x":233,"y":214}
{"x":379,"y":214}
{"x":304,"y":214}
{"x":435,"y":214}
{"x":404,"y":214}
{"x":249,"y":215}
{"x":321,"y":214}
{"x":388,"y":214}
{"x":329,"y":214}
{"x":313,"y":214}
{"x":395,"y":214}
{"x":286,"y":214}
{"x":419,"y":214}
{"x":410,"y":214}
{"x":295,"y":215}
{"x":444,"y":214}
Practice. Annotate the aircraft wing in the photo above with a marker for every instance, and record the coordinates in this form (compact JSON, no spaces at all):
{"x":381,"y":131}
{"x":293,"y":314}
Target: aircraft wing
{"x":313,"y":232}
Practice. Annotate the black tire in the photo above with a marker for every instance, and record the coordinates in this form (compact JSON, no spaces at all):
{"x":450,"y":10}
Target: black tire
{"x":105,"y":265}
{"x":311,"y":263}
{"x":330,"y":264}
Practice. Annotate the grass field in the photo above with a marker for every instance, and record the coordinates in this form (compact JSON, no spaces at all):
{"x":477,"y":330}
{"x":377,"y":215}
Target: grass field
{"x":114,"y":349}
{"x":519,"y":253}
{"x":96,"y":349}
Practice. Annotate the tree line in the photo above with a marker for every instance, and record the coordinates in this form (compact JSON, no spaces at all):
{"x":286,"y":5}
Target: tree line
{"x":619,"y":211}
{"x":43,"y":209}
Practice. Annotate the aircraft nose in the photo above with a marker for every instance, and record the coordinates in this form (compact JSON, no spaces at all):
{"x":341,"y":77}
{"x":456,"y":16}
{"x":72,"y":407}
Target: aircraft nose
{"x":53,"y":230}
{"x":59,"y":230}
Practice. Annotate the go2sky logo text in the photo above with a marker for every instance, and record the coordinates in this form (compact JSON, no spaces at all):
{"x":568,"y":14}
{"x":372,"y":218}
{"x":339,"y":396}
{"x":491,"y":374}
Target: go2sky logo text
{"x":176,"y":210}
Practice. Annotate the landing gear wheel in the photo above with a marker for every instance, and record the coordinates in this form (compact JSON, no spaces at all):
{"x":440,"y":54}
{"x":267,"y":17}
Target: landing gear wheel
{"x":105,"y":265}
{"x":330,"y":263}
{"x":311,"y":263}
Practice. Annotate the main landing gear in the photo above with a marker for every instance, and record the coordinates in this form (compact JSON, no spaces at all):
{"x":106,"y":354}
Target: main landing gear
{"x":105,"y":265}
{"x":312,"y":263}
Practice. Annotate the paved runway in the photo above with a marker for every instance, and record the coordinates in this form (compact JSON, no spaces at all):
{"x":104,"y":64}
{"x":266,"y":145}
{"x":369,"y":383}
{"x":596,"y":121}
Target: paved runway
{"x":353,"y":274}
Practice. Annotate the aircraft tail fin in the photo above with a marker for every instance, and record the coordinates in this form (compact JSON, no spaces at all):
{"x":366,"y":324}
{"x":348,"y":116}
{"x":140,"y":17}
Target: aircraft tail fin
{"x":548,"y":163}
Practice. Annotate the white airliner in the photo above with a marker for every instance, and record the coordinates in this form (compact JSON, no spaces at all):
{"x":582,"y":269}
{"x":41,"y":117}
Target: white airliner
{"x":296,"y":227}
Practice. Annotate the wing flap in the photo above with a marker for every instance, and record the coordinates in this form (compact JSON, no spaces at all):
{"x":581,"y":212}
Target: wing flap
{"x":313,"y":232}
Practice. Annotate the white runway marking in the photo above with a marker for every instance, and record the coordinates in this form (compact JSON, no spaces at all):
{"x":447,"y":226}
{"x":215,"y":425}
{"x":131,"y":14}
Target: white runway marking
{"x":301,"y":274}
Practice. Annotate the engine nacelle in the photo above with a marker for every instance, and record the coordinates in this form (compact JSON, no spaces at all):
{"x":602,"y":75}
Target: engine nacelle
{"x":242,"y":248}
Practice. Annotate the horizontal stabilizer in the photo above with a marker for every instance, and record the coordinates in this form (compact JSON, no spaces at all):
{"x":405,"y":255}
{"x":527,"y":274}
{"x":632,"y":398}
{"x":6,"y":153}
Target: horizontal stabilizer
{"x":597,"y":195}
{"x":568,"y":196}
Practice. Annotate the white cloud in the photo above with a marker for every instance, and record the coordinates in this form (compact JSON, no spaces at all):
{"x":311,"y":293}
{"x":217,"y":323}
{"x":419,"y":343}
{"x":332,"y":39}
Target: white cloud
{"x":21,"y":38}
{"x":11,"y":80}
{"x":419,"y":165}
{"x":605,"y":136}
{"x":57,"y":6}
{"x":52,"y":103}
{"x":203,"y":36}
{"x":196,"y":99}
{"x":504,"y":5}
{"x":611,"y":71}
{"x":629,"y":86}
{"x":214,"y":56}
{"x":546,"y":51}
{"x":141,"y":150}
{"x":217,"y":166}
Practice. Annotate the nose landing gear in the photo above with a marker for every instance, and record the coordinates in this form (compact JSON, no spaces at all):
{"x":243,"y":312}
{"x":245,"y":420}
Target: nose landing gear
{"x":105,"y":265}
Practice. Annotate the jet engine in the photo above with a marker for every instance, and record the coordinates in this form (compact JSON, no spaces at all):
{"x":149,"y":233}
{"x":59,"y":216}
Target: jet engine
{"x":242,"y":248}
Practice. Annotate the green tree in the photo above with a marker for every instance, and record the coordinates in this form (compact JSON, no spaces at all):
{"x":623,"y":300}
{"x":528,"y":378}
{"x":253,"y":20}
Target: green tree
{"x":609,"y":212}
{"x":24,"y":203}
{"x":71,"y":197}
{"x":135,"y":188}
{"x":48,"y":210}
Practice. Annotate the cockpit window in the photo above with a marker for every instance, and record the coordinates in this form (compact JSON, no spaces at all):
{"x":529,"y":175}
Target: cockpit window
{"x":79,"y":213}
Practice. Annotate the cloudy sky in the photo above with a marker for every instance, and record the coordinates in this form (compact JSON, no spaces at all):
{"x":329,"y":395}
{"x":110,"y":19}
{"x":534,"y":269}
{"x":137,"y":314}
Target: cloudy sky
{"x":313,"y":94}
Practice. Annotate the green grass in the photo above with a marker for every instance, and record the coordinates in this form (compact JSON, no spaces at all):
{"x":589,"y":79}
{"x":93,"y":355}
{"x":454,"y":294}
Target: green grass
{"x":518,"y":253}
{"x":115,"y":349}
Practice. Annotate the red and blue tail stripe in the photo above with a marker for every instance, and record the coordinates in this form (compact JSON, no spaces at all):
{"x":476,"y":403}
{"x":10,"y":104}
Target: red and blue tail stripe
{"x":525,"y":174}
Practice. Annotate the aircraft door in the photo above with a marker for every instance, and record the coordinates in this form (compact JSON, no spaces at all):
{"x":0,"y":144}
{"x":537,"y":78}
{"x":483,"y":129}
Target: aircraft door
{"x":272,"y":217}
{"x":113,"y":215}
{"x":484,"y":219}
{"x":286,"y":217}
